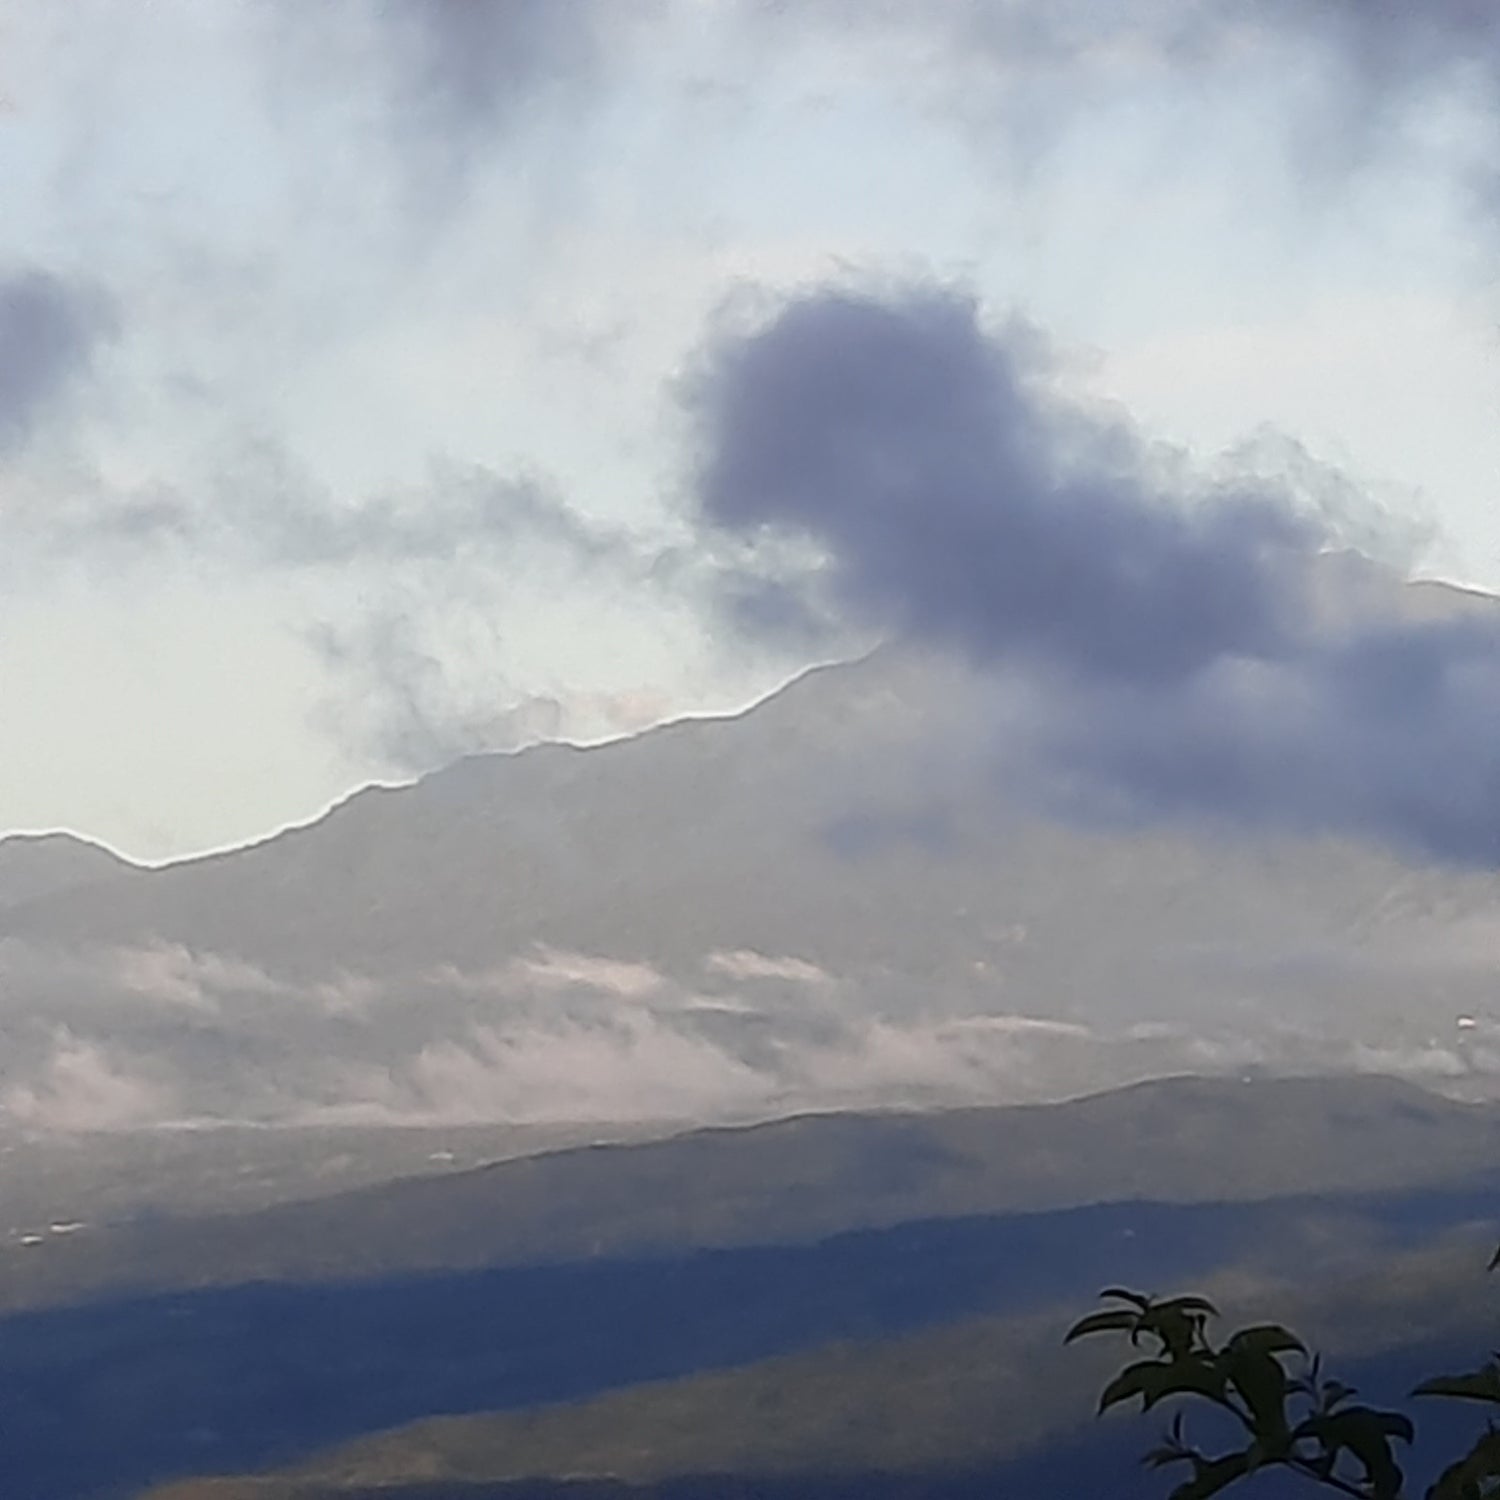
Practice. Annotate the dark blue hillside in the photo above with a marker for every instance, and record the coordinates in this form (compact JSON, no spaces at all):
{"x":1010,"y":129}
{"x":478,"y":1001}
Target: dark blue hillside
{"x":101,"y":1398}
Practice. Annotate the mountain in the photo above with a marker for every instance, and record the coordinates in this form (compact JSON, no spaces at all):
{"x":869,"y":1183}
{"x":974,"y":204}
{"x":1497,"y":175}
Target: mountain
{"x":35,"y":865}
{"x":827,"y":901}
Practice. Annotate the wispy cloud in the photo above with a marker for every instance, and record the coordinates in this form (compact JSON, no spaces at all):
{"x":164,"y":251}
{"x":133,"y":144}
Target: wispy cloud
{"x":448,"y":84}
{"x":50,"y":331}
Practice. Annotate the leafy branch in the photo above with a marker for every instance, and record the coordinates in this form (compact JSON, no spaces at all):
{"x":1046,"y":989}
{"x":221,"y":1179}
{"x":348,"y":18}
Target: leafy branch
{"x":1288,"y":1414}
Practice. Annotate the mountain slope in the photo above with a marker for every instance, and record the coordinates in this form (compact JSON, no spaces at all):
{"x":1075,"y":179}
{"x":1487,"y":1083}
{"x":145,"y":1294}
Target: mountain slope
{"x":796,"y":1181}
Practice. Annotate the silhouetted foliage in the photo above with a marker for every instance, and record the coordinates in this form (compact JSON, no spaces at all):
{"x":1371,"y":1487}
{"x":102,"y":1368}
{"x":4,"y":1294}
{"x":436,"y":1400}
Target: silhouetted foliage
{"x":1279,"y":1407}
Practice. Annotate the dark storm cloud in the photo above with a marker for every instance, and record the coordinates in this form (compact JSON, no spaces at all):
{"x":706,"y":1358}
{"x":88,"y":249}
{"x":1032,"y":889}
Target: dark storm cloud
{"x":50,"y":330}
{"x":890,"y":464}
{"x":1393,"y":733}
{"x":950,"y":500}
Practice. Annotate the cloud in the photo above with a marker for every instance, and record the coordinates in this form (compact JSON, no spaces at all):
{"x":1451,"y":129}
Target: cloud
{"x":262,"y":510}
{"x":1394,"y":42}
{"x":1392,"y":733}
{"x":86,"y":1088}
{"x":174,"y":975}
{"x":460,"y":68}
{"x":746,"y":963}
{"x":1340,"y":85}
{"x":631,"y":1067}
{"x":280,"y":518}
{"x":50,"y":332}
{"x":113,"y":1039}
{"x":414,"y":586}
{"x":887,"y":462}
{"x":1388,"y":47}
{"x":634,"y":1064}
{"x":553,"y":968}
{"x":416,"y":668}
{"x":449,"y":83}
{"x":401,"y":696}
{"x":949,"y":498}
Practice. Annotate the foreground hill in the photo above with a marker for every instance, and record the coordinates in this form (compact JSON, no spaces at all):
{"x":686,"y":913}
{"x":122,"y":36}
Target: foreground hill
{"x":115,"y":1393}
{"x":246,"y":1341}
{"x":944,"y":1408}
{"x":795,"y":1181}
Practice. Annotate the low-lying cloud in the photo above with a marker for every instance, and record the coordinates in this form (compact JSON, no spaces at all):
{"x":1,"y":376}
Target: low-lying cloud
{"x":163,"y":1035}
{"x":84,"y":1087}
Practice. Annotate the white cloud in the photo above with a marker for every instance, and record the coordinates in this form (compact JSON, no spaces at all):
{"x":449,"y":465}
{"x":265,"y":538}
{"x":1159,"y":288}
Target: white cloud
{"x":1427,"y":1062}
{"x":636,"y":1068}
{"x":346,"y":994}
{"x":84,"y":1088}
{"x":556,"y":968}
{"x":746,"y":963}
{"x":176,"y":975}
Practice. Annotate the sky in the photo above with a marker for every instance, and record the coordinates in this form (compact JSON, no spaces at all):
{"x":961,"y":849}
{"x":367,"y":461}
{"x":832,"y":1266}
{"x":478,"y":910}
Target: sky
{"x":385,"y":382}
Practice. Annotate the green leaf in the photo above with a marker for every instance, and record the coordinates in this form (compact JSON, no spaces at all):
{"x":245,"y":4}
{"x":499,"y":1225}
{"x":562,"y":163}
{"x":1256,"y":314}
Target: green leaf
{"x":1481,"y":1385}
{"x":1177,"y":1323}
{"x":1366,"y":1434}
{"x":1116,"y":1320}
{"x":1153,"y":1380}
{"x":1397,"y":1425}
{"x":1260,"y":1379}
{"x":1134,"y":1380}
{"x":1267,"y":1338}
{"x":1476,"y":1474}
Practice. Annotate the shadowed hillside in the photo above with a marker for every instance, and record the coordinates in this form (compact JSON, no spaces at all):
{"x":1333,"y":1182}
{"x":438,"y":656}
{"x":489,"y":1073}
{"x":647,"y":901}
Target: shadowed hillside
{"x":1000,"y":1398}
